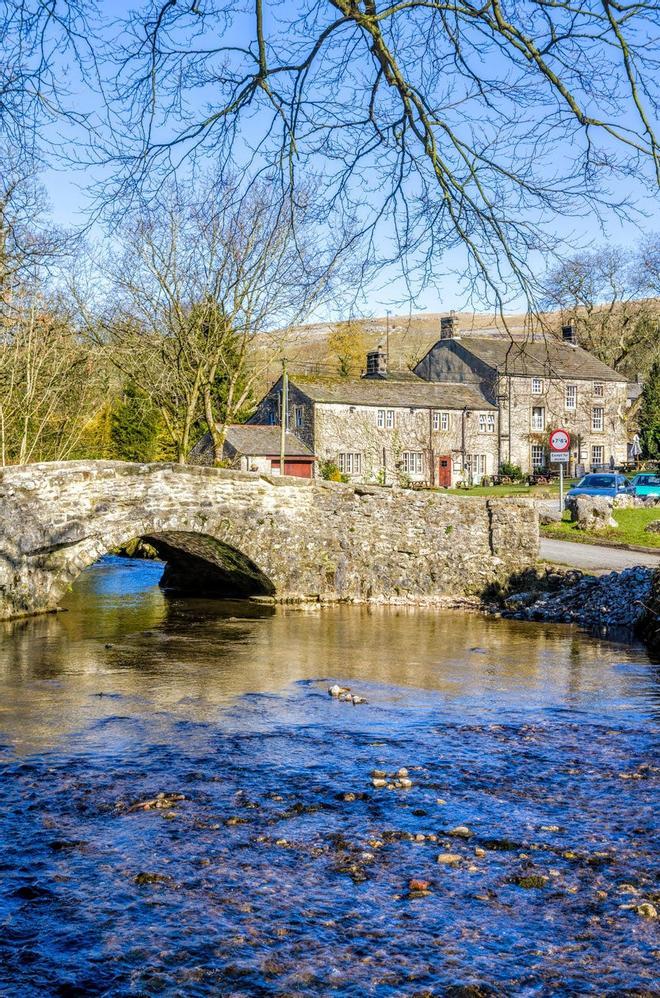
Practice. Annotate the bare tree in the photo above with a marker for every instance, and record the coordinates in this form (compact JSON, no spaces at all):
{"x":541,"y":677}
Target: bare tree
{"x":610,"y":294}
{"x":201,"y":279}
{"x":437,"y":124}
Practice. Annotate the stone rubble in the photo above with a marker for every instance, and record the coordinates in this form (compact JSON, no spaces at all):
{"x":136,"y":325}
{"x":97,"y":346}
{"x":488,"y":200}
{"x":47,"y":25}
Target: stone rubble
{"x":614,"y":601}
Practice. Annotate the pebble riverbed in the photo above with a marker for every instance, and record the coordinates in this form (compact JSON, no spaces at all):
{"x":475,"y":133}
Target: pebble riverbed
{"x":485,"y":824}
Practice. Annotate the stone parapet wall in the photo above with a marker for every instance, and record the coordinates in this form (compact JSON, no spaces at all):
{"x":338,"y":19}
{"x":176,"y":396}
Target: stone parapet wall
{"x":289,"y":538}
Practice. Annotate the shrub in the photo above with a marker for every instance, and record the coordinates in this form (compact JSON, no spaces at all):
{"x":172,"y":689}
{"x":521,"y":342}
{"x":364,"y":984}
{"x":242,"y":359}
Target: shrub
{"x":511,"y":471}
{"x":330,"y":472}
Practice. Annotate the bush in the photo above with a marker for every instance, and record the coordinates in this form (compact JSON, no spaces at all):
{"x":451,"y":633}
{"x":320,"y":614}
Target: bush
{"x":511,"y":471}
{"x":330,"y":472}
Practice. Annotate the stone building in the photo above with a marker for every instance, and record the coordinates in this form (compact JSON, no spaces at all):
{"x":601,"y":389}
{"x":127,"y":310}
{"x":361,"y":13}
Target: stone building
{"x":257,"y":448}
{"x":537,"y":385}
{"x":390,"y":428}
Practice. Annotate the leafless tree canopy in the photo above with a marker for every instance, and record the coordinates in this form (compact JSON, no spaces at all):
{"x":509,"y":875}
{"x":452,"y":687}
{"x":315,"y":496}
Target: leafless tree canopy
{"x":428,"y":124}
{"x":457,"y":124}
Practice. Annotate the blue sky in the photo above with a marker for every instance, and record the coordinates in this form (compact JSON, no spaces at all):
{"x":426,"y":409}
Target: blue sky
{"x":69,"y":191}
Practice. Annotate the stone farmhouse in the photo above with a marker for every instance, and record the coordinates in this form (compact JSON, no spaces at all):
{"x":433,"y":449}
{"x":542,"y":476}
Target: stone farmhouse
{"x":470,"y":405}
{"x":538,"y":385}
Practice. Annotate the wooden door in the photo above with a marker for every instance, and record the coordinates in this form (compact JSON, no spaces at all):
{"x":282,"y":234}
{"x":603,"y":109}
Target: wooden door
{"x":444,"y":471}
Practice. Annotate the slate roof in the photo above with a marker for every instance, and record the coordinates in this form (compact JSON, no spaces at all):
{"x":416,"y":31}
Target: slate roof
{"x":254,"y":440}
{"x":635,"y":389}
{"x":546,"y":357}
{"x":397,"y":391}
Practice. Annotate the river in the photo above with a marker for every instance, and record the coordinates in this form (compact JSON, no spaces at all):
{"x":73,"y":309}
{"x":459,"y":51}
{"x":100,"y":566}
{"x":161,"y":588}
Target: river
{"x":272,"y":865}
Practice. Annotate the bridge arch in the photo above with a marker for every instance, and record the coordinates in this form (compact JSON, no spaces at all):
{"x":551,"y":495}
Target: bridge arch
{"x":197,"y":563}
{"x":295,"y":539}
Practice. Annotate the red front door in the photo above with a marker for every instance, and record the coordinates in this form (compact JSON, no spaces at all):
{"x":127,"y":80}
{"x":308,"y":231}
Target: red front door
{"x":444,"y":472}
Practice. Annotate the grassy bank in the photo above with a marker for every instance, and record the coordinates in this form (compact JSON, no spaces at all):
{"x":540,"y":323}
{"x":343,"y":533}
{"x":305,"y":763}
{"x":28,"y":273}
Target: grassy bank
{"x":630,"y":530}
{"x":520,"y":490}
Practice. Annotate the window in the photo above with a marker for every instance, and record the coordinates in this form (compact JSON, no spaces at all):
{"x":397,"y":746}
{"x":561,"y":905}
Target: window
{"x":350,"y":464}
{"x":599,"y":390}
{"x":486,"y":422}
{"x":597,"y":419}
{"x":411,"y":462}
{"x":537,"y":386}
{"x":598,"y":454}
{"x":385,"y":419}
{"x":298,"y":415}
{"x":440,"y":420}
{"x":571,"y":397}
{"x":538,"y":417}
{"x":475,"y":465}
{"x":538,"y":456}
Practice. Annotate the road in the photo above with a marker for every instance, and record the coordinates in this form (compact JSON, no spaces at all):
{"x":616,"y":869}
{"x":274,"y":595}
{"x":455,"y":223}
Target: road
{"x":594,"y":557}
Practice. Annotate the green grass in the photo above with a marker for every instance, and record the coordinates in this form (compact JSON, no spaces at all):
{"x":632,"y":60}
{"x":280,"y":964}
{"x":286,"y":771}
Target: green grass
{"x":530,"y":491}
{"x":630,"y":530}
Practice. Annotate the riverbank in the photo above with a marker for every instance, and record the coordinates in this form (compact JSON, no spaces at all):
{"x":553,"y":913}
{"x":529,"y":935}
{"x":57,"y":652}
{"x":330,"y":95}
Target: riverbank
{"x":614,"y":603}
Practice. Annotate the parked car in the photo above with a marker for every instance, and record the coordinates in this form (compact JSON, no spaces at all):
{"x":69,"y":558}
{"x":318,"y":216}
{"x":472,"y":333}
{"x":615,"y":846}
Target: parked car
{"x":600,"y":484}
{"x":645,"y":484}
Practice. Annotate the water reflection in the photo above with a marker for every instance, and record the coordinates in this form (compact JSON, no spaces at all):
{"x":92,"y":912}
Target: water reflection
{"x":121,"y":635}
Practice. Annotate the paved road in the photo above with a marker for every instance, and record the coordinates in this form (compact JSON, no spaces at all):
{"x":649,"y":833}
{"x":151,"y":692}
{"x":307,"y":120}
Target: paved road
{"x":593,"y":556}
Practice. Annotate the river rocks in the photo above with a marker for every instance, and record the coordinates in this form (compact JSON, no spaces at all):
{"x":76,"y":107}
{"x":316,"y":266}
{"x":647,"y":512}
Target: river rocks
{"x":160,"y":801}
{"x":647,"y":910}
{"x":143,"y":879}
{"x":460,"y":832}
{"x":418,"y":888}
{"x":449,"y":859}
{"x":614,"y":601}
{"x":653,"y":527}
{"x":530,"y":881}
{"x":344,"y":695}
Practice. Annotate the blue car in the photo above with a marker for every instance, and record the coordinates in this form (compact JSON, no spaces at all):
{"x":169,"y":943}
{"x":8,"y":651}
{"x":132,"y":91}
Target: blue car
{"x":645,"y":484}
{"x":601,"y":484}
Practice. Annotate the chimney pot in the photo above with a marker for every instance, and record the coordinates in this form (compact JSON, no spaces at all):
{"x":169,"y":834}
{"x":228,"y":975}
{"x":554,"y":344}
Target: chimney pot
{"x":448,"y":327}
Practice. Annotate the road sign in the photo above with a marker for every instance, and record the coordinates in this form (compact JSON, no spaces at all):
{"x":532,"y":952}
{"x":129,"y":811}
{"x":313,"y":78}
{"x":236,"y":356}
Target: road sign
{"x":559,"y":457}
{"x":560,"y":440}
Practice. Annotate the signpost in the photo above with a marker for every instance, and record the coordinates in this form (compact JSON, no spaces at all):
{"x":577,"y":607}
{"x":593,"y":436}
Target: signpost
{"x":560,"y":445}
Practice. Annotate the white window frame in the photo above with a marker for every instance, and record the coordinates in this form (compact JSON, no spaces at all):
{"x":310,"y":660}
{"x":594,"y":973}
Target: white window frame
{"x":298,"y":416}
{"x":440,"y":420}
{"x":538,"y":451}
{"x":389,"y":419}
{"x":380,"y":419}
{"x":541,"y":409}
{"x":350,"y":462}
{"x":412,"y":462}
{"x":570,"y":398}
{"x":599,"y":389}
{"x":537,"y":386}
{"x":597,"y":419}
{"x":486,"y":422}
{"x":601,"y":449}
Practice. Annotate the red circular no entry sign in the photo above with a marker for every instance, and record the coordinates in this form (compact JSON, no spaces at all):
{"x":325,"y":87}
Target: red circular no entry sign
{"x":560,"y":440}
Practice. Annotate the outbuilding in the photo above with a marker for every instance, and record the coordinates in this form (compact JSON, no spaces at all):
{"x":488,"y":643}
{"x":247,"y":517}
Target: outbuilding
{"x":251,"y":447}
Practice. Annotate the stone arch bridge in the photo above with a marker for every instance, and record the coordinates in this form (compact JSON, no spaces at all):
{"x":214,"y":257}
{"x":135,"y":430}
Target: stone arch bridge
{"x":230,"y":533}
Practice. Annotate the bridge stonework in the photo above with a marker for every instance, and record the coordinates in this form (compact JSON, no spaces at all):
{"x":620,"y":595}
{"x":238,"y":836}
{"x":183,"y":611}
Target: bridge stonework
{"x":225,"y":532}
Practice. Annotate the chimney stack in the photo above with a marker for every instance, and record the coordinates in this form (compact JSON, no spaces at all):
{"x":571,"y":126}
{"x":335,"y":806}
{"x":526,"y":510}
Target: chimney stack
{"x":376,"y":363}
{"x":448,"y":327}
{"x":569,"y":334}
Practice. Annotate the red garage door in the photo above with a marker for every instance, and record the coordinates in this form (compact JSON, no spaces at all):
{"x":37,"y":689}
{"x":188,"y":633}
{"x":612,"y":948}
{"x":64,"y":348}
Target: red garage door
{"x":301,"y":469}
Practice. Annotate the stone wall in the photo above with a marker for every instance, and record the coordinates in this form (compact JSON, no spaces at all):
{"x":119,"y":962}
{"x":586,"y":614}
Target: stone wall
{"x":228,"y":531}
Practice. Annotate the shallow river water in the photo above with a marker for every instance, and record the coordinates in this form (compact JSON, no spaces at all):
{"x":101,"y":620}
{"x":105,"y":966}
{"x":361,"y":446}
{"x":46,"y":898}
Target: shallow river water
{"x":273,"y":866}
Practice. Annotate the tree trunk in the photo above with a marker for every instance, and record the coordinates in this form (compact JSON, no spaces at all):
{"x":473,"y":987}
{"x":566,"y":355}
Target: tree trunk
{"x":217,"y":433}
